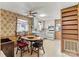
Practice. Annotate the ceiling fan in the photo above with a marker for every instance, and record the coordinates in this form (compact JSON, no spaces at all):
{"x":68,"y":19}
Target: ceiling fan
{"x":31,"y":13}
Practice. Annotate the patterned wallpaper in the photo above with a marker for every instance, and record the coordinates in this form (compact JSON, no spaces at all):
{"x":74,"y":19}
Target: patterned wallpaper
{"x":0,"y":30}
{"x":0,"y":23}
{"x":8,"y":22}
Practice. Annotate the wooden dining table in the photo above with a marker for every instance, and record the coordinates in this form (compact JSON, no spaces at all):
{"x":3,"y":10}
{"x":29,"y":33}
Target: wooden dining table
{"x":31,"y":38}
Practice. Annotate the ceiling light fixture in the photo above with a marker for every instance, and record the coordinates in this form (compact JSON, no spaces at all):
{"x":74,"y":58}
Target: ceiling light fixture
{"x":42,"y":15}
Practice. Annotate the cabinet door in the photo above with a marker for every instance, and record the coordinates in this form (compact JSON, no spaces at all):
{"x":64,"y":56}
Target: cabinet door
{"x":8,"y":49}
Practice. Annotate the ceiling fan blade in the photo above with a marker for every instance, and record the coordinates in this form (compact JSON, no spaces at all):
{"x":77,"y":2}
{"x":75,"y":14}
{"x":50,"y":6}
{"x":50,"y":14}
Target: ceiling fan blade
{"x":33,"y":9}
{"x":34,"y":12}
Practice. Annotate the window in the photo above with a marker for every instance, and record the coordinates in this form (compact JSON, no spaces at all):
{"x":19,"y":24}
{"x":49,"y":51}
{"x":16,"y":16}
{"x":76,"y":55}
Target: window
{"x":22,"y":26}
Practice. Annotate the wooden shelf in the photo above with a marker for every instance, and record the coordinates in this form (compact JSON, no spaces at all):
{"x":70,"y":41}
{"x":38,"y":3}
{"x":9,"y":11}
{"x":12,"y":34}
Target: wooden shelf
{"x":70,"y":18}
{"x":70,"y":32}
{"x":70,"y":24}
{"x":69,"y":15}
{"x":70,"y":39}
{"x":70,"y":36}
{"x":69,"y":9}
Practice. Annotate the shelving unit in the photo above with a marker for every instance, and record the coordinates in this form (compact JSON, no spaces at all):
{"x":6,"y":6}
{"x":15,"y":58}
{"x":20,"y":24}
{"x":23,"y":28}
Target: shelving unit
{"x":70,"y":30}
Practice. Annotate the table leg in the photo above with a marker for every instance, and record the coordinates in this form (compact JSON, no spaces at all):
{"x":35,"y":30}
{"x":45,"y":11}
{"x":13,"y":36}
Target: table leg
{"x":31,"y":47}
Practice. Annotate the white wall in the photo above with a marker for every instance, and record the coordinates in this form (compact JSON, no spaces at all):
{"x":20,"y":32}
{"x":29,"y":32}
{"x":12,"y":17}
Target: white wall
{"x":58,"y":6}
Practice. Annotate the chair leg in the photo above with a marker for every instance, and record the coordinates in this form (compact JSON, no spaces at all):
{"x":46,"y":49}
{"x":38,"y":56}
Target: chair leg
{"x":21,"y":52}
{"x":38,"y":52}
{"x":43,"y":49}
{"x":28,"y":49}
{"x":35,"y":48}
{"x":32,"y":51}
{"x":17,"y":50}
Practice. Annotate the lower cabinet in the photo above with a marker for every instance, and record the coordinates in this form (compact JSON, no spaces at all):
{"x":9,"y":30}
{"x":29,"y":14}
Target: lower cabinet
{"x":7,"y":47}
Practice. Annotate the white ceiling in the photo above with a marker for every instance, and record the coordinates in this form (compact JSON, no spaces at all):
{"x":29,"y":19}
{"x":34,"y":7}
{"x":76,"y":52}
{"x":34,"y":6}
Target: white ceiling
{"x":51,"y":9}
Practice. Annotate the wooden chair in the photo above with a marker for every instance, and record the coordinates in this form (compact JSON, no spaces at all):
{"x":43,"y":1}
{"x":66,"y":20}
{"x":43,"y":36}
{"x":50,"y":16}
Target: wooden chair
{"x":21,"y":45}
{"x":37,"y":45}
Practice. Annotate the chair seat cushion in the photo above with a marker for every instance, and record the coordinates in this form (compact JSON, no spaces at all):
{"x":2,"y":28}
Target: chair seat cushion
{"x":22,"y":44}
{"x":37,"y":45}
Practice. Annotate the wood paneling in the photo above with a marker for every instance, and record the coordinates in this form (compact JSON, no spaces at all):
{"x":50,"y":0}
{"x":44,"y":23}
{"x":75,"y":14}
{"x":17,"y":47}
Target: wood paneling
{"x":70,"y":22}
{"x":70,"y":29}
{"x":69,"y":18}
{"x":69,"y":9}
{"x":70,"y":36}
{"x":69,"y":13}
{"x":70,"y":32}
